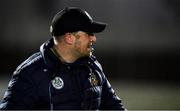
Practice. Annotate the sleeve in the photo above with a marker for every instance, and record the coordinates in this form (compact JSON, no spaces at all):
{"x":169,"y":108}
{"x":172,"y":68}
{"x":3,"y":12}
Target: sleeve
{"x":20,"y":93}
{"x":109,"y":100}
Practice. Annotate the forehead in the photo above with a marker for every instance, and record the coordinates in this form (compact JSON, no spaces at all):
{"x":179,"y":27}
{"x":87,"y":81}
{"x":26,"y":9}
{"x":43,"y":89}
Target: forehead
{"x":81,"y":33}
{"x":85,"y":33}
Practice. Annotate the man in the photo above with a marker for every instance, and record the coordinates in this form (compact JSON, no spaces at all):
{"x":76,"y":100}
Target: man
{"x":63,"y":74}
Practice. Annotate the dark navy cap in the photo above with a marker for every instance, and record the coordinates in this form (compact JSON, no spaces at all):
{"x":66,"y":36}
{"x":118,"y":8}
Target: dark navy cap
{"x":72,"y":19}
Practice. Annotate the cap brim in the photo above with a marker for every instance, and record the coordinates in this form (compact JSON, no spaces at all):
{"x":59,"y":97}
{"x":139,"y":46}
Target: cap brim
{"x":97,"y":27}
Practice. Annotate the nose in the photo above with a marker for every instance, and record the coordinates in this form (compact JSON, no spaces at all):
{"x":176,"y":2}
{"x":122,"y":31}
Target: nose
{"x":93,"y":39}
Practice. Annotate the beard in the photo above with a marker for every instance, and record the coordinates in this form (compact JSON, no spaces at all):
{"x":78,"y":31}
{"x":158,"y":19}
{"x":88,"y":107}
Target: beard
{"x":82,"y":50}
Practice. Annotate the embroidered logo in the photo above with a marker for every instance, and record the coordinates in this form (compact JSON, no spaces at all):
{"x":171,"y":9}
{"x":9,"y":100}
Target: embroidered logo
{"x":93,"y":79}
{"x":57,"y":83}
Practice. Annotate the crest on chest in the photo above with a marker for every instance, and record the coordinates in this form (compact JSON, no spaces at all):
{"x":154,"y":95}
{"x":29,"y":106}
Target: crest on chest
{"x":93,"y":79}
{"x":57,"y":83}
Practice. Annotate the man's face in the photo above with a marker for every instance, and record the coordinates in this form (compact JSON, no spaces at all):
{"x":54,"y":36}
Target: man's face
{"x":83,"y":43}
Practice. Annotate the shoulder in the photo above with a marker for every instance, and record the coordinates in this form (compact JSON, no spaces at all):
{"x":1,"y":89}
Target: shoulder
{"x":30,"y":64}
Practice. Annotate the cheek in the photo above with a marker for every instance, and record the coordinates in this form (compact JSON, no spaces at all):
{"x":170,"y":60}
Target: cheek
{"x":77,"y":44}
{"x":81,"y":45}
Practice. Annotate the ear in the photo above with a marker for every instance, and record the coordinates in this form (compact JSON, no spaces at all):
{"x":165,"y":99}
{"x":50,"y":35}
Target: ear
{"x":68,"y":38}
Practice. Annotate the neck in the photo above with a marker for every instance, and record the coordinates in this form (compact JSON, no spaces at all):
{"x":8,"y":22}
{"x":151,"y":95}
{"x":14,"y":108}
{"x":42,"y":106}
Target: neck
{"x":64,"y":53}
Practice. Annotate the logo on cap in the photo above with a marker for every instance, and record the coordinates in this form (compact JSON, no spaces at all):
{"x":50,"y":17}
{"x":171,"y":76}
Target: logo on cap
{"x":57,"y":83}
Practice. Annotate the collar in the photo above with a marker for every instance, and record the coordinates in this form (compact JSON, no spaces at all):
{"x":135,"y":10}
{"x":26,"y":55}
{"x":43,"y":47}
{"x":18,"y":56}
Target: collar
{"x":53,"y":62}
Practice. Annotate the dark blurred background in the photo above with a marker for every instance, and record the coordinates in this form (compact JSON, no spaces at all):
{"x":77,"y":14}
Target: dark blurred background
{"x":139,"y":50}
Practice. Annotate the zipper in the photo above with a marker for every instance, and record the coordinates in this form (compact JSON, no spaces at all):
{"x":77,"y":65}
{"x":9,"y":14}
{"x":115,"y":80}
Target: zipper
{"x":50,"y":97}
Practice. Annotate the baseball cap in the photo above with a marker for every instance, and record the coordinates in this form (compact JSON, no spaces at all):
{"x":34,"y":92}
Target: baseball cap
{"x":72,"y":19}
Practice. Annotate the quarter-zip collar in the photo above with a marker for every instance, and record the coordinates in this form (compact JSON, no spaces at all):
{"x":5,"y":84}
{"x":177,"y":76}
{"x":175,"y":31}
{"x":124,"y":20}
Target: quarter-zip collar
{"x":54,"y":63}
{"x":50,"y":59}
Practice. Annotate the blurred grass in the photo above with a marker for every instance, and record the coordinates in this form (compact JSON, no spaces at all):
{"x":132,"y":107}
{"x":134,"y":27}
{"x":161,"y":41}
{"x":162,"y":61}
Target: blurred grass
{"x":135,"y":95}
